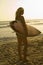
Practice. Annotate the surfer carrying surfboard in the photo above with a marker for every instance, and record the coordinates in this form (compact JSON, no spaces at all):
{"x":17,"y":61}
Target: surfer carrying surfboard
{"x":22,"y":31}
{"x":21,"y":38}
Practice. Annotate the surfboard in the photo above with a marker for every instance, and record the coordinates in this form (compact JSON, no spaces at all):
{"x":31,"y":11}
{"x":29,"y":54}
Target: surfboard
{"x":17,"y":27}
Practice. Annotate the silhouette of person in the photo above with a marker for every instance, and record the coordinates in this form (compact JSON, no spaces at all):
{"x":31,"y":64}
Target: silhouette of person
{"x":21,"y":39}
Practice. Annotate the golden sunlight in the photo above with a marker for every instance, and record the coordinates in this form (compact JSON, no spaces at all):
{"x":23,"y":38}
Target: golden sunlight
{"x":32,"y":9}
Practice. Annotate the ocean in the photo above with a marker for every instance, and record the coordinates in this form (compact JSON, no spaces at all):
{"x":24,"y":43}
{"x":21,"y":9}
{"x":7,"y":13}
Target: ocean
{"x":6,"y":31}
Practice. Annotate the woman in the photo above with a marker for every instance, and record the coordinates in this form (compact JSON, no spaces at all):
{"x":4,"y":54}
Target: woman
{"x":21,"y":38}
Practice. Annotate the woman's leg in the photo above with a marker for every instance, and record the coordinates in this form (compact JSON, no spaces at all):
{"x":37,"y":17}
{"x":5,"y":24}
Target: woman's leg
{"x":19,"y":46}
{"x":25,"y":48}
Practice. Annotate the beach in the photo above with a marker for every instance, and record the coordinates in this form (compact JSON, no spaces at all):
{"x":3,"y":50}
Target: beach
{"x":9,"y":47}
{"x":9,"y":50}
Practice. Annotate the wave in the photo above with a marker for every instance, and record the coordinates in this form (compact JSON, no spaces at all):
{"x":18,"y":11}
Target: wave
{"x":36,"y":23}
{"x":8,"y":25}
{"x":4,"y":26}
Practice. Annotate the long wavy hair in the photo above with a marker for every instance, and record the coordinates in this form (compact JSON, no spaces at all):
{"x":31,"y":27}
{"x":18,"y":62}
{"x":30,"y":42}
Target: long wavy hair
{"x":19,"y":12}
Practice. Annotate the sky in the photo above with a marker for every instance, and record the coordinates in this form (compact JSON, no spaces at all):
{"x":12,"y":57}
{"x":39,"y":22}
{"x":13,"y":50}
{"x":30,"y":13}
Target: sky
{"x":33,"y":9}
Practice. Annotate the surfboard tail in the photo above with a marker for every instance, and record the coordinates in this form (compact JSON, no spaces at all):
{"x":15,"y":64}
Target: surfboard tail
{"x":32,"y":31}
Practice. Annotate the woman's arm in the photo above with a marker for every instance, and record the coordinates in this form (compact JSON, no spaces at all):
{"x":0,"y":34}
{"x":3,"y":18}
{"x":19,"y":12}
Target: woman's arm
{"x":24,"y":24}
